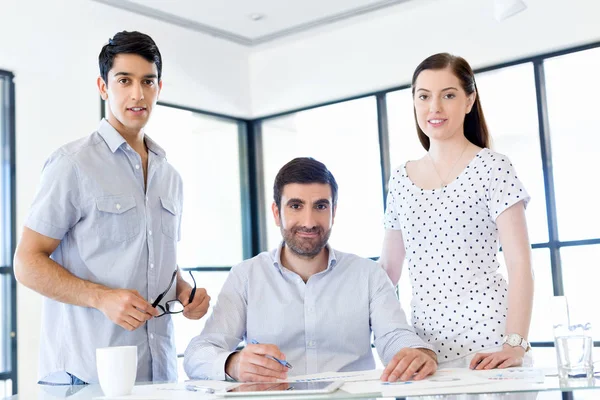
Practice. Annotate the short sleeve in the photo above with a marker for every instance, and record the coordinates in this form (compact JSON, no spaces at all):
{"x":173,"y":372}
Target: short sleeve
{"x":56,"y":206}
{"x":391,"y":218}
{"x":505,"y":188}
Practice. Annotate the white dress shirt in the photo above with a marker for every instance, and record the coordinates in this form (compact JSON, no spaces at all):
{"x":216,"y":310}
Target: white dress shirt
{"x":322,"y":325}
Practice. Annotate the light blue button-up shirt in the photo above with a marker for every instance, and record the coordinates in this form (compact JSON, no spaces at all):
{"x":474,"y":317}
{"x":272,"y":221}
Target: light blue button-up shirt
{"x":113,"y":231}
{"x":322,"y":325}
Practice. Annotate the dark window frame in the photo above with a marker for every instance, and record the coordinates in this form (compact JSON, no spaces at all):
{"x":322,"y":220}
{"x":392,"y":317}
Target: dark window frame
{"x":9,"y":231}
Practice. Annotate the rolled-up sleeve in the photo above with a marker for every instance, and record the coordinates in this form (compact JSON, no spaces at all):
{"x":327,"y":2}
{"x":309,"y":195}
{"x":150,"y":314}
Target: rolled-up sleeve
{"x":207,"y":353}
{"x":388,"y":321}
{"x":56,"y":206}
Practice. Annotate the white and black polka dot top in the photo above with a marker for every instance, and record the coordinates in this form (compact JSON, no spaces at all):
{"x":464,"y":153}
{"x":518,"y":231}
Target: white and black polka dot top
{"x":459,"y":300}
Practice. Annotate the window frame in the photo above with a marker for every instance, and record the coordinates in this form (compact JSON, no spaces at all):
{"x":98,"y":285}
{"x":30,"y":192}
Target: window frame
{"x":9,"y":230}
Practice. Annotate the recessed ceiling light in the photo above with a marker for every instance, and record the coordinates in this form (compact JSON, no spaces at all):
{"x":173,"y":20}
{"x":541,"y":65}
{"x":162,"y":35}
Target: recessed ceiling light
{"x":256,"y":16}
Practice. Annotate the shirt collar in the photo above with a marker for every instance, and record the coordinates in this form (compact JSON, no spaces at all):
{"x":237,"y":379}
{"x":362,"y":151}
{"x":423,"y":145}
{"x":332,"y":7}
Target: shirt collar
{"x":155,"y":148}
{"x":276,"y":256}
{"x":114,"y":140}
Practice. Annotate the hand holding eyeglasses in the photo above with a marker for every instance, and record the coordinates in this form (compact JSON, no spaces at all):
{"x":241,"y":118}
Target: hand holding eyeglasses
{"x":191,"y":301}
{"x":125,"y":307}
{"x":195,"y":301}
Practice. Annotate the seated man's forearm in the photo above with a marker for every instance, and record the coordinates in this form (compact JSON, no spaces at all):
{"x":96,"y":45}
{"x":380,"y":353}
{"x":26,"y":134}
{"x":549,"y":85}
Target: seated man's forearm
{"x":205,"y":360}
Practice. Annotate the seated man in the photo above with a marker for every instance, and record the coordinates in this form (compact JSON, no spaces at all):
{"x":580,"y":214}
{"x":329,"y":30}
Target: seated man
{"x":306,"y":302}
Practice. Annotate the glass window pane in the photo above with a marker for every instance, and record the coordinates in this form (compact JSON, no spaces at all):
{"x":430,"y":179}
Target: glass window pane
{"x":572,"y":87}
{"x":5,"y":328}
{"x":187,"y":329}
{"x":541,"y":320}
{"x":509,"y":102}
{"x":344,"y":136}
{"x":4,"y":180}
{"x":5,"y":229}
{"x":404,"y":142}
{"x":580,"y":279}
{"x":6,"y":388}
{"x":204,"y":150}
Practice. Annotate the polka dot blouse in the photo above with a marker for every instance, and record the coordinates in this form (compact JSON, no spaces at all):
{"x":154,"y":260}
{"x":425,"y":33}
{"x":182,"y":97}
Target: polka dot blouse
{"x":459,"y":300}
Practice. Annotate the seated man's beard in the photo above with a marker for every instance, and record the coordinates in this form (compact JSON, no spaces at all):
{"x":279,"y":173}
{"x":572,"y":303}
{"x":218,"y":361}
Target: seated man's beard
{"x":305,"y":247}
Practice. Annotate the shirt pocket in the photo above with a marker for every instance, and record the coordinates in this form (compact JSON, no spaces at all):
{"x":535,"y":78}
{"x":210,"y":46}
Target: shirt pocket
{"x":117,"y":217}
{"x":168,"y":216}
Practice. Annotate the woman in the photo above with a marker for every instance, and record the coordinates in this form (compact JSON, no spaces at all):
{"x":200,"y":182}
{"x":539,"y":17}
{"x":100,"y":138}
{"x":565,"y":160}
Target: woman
{"x":445,"y":213}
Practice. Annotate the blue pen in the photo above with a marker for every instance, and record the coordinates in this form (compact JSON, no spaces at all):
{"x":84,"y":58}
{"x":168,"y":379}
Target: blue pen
{"x":282,"y":362}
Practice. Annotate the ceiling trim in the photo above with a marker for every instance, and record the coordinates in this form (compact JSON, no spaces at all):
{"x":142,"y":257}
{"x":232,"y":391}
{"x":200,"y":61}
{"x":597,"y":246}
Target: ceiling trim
{"x":176,"y":20}
{"x":239,"y":39}
{"x":327,"y":20}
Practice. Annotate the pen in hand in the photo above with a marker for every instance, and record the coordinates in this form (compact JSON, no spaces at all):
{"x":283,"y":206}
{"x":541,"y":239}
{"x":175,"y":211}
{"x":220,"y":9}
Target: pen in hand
{"x":282,"y":362}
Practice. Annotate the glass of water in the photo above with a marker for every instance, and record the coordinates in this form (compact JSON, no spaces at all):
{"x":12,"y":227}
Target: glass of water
{"x":574,"y":346}
{"x":573,"y":342}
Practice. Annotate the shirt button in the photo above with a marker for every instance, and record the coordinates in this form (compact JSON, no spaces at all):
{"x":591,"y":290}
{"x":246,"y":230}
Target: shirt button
{"x":150,"y":233}
{"x":311,"y":343}
{"x":151,"y":300}
{"x":151,"y":265}
{"x":152,"y":336}
{"x":118,"y":206}
{"x":137,"y":166}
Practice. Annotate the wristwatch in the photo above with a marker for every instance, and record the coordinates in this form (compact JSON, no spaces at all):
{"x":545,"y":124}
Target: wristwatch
{"x":514,"y":340}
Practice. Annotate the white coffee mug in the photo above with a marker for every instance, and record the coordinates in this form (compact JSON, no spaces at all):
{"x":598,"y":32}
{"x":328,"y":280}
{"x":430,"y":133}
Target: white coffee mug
{"x":117,"y":369}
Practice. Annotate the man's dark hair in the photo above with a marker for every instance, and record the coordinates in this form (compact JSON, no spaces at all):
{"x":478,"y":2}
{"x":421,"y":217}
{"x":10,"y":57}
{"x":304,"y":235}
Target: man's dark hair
{"x":303,"y":170}
{"x":129,"y":43}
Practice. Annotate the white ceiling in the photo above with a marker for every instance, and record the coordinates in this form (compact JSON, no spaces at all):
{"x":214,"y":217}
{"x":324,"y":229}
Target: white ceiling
{"x":231,"y":19}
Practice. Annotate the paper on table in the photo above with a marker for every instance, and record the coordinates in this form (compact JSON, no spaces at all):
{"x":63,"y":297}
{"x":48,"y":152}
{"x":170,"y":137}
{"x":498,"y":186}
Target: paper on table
{"x":443,"y":378}
{"x":370,"y":375}
{"x":533,"y":375}
{"x":464,"y":380}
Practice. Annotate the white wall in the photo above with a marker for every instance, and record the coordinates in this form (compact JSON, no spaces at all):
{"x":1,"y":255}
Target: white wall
{"x":382,"y":52}
{"x":52,"y":48}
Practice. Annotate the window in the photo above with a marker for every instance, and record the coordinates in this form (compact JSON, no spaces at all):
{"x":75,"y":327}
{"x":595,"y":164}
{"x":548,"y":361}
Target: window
{"x":572,"y":89}
{"x":404,"y":142}
{"x":205,"y":151}
{"x":187,"y":329}
{"x":509,"y":104}
{"x":580,"y":277}
{"x":344,"y":137}
{"x":8,"y":360}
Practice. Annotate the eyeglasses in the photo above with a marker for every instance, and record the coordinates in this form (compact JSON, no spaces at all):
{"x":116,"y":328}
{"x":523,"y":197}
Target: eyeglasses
{"x":173,"y":306}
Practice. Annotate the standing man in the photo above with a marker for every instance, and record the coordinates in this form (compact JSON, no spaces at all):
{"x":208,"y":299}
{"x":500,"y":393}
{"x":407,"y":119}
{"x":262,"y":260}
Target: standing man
{"x":100,"y":239}
{"x":305,"y":302}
